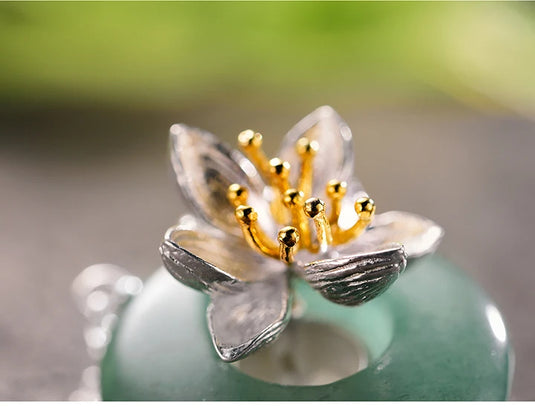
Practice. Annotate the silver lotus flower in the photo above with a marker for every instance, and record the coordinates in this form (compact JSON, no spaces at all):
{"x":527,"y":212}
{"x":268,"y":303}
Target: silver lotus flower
{"x":350,"y":255}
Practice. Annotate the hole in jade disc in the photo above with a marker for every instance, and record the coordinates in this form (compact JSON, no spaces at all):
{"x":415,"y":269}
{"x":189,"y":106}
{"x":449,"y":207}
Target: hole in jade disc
{"x":307,"y":354}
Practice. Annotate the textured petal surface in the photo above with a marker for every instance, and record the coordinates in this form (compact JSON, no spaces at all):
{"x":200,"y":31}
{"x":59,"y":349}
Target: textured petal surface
{"x":335,"y":157}
{"x":418,"y":235}
{"x":205,"y":168}
{"x":241,"y":322}
{"x":352,"y":280}
{"x":209,"y":260}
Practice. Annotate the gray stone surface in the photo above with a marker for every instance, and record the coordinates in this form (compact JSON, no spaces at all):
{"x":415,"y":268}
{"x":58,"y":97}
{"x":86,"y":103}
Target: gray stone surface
{"x":82,"y":187}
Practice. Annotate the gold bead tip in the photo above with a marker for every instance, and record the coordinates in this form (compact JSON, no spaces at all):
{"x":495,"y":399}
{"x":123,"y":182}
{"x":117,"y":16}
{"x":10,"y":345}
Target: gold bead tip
{"x":288,"y":236}
{"x":250,"y":139}
{"x":293,"y":198}
{"x":306,"y":147}
{"x":279,"y":168}
{"x":288,"y":239}
{"x":314,"y":207}
{"x":246,"y":214}
{"x":288,"y":205}
{"x":237,"y":195}
{"x":336,"y":189}
{"x":365,"y":207}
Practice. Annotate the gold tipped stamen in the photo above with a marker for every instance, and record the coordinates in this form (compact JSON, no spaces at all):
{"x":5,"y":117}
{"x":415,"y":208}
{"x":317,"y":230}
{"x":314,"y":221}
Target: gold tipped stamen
{"x":336,"y":190}
{"x":365,"y":208}
{"x":279,"y":173}
{"x":288,"y":205}
{"x":306,"y":149}
{"x":294,"y":200}
{"x":253,"y":234}
{"x":315,"y":208}
{"x":250,"y":143}
{"x":237,"y":195}
{"x":288,"y":240}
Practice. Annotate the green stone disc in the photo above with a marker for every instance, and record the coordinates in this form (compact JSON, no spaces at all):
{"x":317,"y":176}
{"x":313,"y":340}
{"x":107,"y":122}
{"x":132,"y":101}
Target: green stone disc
{"x":434,"y":335}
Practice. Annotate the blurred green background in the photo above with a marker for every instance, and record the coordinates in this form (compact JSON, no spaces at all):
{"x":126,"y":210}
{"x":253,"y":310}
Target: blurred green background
{"x":159,"y":55}
{"x":440,"y":97}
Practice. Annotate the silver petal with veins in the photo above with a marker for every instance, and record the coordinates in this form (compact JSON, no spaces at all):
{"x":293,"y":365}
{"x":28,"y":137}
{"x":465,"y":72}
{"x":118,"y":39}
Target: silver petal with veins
{"x":250,"y":295}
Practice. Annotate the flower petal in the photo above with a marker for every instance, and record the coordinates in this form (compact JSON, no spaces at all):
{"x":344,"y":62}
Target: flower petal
{"x":355,"y":279}
{"x":241,"y":322}
{"x":205,"y":167}
{"x":209,"y":260}
{"x":334,"y":159}
{"x":418,"y":235}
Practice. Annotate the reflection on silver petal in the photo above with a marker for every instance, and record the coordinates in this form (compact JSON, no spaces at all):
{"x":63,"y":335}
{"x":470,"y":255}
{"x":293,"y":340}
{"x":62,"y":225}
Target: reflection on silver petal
{"x":356,"y":279}
{"x":205,"y":262}
{"x":205,"y":168}
{"x":335,"y":156}
{"x":418,"y":235}
{"x":244,"y":321}
{"x":348,"y":216}
{"x":249,"y":293}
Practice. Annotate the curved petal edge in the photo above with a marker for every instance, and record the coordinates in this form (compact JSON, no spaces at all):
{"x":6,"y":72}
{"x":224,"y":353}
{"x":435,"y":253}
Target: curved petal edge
{"x":334,"y":159}
{"x":205,"y":259}
{"x":204,"y":168}
{"x":419,"y":235}
{"x":244,"y":321}
{"x":353,"y":280}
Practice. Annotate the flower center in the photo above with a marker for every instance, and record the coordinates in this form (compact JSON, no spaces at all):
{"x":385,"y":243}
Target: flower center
{"x":289,"y":206}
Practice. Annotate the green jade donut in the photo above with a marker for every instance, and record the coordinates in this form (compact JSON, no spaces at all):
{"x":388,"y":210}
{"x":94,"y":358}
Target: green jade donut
{"x":433,"y":335}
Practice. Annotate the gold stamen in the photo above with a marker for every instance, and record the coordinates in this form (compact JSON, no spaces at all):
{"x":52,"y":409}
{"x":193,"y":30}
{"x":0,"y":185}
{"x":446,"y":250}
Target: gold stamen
{"x":288,"y":240}
{"x":315,"y":209}
{"x":306,"y":149}
{"x":251,"y":144}
{"x":279,"y":173}
{"x":253,"y":234}
{"x":237,"y":195}
{"x":294,"y":201}
{"x":289,"y":205}
{"x":336,"y":191}
{"x":365,"y":208}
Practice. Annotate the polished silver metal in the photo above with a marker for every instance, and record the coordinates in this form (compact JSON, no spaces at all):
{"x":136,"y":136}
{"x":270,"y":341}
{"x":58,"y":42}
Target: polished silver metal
{"x":353,"y":280}
{"x":419,"y":235}
{"x":241,"y":322}
{"x":331,"y":131}
{"x":205,"y":260}
{"x":204,"y":169}
{"x":250,"y":294}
